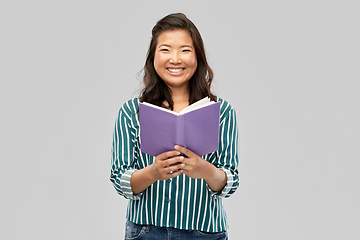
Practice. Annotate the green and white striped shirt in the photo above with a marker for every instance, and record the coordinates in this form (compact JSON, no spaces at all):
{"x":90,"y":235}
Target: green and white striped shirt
{"x":181,"y":202}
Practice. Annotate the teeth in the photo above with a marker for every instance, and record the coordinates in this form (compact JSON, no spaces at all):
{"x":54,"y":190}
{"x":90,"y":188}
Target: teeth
{"x":175,"y":70}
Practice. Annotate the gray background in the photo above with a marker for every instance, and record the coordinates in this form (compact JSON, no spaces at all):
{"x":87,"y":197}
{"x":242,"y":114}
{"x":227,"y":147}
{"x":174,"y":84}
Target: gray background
{"x":290,"y":69}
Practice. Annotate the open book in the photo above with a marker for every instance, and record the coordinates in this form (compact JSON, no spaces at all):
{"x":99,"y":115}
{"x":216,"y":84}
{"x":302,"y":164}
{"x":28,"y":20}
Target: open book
{"x":196,"y":127}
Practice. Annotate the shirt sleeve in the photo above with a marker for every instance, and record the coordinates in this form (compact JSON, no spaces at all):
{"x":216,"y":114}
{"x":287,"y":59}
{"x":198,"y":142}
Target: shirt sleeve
{"x":227,"y":156}
{"x":123,"y":162}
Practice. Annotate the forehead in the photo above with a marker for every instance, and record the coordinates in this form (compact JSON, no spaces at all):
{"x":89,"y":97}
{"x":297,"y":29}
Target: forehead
{"x":175,"y":37}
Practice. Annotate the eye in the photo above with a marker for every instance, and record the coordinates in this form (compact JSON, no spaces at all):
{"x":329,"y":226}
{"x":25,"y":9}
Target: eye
{"x":186,"y":50}
{"x":164,"y":50}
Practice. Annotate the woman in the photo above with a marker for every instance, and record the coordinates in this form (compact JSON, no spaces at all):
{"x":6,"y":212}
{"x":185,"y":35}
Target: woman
{"x":173,"y":195}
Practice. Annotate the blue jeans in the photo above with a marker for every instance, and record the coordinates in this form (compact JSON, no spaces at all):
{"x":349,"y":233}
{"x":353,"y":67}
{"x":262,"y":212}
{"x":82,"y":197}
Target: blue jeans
{"x":134,"y":231}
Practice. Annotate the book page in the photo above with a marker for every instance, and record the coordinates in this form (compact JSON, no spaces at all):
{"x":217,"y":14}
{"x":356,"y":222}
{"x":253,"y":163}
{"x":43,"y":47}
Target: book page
{"x":160,"y":108}
{"x":196,"y":105}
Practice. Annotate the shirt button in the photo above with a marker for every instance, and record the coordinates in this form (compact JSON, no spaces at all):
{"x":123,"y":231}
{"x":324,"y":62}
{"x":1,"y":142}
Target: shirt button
{"x":169,"y":180}
{"x":168,"y":200}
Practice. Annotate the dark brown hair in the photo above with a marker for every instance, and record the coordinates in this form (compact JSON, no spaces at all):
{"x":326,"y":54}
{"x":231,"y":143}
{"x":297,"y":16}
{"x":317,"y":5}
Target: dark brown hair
{"x":155,"y":90}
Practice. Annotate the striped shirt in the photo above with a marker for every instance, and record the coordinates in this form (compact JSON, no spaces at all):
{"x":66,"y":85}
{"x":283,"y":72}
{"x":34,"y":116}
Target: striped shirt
{"x":181,"y":202}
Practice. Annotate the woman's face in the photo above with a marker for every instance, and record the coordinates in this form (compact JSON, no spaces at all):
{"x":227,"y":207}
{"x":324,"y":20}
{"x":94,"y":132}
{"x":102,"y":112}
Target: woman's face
{"x":175,"y":58}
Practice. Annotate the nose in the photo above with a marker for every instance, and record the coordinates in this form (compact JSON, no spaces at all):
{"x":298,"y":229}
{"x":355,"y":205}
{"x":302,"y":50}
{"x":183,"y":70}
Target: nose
{"x":175,"y":58}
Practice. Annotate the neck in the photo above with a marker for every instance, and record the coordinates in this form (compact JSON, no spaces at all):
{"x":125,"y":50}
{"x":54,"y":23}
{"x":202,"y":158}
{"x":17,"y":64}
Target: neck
{"x":180,"y":97}
{"x":180,"y":94}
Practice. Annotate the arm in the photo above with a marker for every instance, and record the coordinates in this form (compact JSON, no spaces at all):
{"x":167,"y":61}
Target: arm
{"x":228,"y":159}
{"x":216,"y":178}
{"x":128,"y":179}
{"x":220,"y":171}
{"x":123,"y":163}
{"x":163,"y":168}
{"x":197,"y":167}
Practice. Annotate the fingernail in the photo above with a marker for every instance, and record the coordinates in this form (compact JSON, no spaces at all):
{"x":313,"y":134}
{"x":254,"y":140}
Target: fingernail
{"x":176,"y":147}
{"x":181,"y":158}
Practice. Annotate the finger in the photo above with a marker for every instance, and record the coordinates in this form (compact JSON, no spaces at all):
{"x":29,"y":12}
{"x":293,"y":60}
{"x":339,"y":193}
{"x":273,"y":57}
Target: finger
{"x":173,"y":168}
{"x":175,"y":174}
{"x":167,"y":155}
{"x":185,"y":151}
{"x":174,"y":160}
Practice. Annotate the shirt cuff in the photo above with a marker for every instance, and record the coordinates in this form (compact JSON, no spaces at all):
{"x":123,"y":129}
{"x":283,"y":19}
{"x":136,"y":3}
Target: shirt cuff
{"x":225,"y":192}
{"x":126,"y":186}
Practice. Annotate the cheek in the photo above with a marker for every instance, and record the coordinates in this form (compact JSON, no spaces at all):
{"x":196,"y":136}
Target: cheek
{"x":193,"y":62}
{"x":158,"y":62}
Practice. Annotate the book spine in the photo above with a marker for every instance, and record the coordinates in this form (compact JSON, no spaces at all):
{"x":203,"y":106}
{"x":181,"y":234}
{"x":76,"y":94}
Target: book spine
{"x":180,"y":131}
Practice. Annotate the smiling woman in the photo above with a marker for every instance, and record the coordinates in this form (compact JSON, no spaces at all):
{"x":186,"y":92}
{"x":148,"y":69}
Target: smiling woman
{"x":164,"y":40}
{"x":177,"y":192}
{"x":175,"y":59}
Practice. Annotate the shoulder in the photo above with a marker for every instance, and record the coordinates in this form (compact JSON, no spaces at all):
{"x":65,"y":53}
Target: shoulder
{"x":130,"y":108}
{"x":225,"y":108}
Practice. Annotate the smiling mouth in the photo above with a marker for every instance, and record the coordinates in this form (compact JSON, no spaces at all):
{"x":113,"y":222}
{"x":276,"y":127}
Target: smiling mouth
{"x":175,"y":70}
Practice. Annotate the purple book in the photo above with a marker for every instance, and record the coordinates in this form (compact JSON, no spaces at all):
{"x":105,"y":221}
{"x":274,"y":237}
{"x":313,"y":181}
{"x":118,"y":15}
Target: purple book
{"x":196,"y":127}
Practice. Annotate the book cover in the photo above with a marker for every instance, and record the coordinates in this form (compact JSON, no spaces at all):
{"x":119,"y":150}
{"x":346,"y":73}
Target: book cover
{"x":196,"y":127}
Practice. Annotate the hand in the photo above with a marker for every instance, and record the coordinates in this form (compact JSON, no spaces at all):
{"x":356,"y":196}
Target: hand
{"x":166,"y":163}
{"x":195,"y":166}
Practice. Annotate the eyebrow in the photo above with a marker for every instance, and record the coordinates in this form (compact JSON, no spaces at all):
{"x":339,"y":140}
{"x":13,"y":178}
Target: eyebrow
{"x":166,"y":45}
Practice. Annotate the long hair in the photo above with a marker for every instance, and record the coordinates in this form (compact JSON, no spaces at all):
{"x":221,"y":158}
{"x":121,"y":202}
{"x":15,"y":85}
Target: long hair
{"x":155,"y":90}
